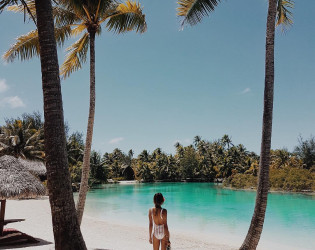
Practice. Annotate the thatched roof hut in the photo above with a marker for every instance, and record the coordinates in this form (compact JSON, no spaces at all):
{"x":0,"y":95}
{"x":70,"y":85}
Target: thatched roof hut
{"x":128,"y":172}
{"x":34,"y":166}
{"x":37,"y":168}
{"x":16,"y":182}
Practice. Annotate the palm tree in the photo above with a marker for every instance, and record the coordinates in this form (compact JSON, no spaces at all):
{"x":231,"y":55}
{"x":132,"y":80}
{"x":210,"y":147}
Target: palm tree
{"x":99,"y":172}
{"x":67,"y":232}
{"x":75,"y":148}
{"x":197,"y":140}
{"x":306,"y":152}
{"x":144,"y":156}
{"x":192,"y":12}
{"x":66,"y":227}
{"x":23,"y":137}
{"x":226,"y":140}
{"x":86,"y":16}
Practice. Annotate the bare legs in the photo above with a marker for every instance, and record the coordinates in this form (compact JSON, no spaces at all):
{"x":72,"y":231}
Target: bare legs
{"x":156,"y":243}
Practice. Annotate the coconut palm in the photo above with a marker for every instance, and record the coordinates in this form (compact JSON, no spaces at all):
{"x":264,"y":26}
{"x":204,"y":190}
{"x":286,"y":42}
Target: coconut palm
{"x":306,"y":151}
{"x":67,"y":232}
{"x":75,"y":148}
{"x":83,"y":17}
{"x":279,"y":13}
{"x":23,"y":137}
{"x":99,"y":172}
{"x":144,"y":156}
{"x":197,"y":140}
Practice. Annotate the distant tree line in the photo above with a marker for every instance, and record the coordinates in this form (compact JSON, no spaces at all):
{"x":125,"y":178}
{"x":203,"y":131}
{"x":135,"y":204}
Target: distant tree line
{"x":210,"y":161}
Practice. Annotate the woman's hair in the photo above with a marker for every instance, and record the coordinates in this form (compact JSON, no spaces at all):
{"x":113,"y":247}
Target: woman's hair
{"x":158,"y":200}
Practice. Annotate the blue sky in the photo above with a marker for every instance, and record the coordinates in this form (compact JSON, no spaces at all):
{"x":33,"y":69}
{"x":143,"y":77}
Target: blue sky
{"x":169,"y":85}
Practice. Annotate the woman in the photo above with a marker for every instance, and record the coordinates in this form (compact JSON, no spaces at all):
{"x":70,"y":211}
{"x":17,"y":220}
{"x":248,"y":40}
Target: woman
{"x":158,"y":229}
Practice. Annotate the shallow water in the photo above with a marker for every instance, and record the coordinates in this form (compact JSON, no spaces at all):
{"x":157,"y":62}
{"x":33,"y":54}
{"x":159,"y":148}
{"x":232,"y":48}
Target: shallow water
{"x":207,"y":210}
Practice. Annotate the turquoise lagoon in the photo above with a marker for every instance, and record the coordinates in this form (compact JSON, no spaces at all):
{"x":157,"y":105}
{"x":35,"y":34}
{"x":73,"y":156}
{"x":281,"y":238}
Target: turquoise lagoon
{"x":206,"y":210}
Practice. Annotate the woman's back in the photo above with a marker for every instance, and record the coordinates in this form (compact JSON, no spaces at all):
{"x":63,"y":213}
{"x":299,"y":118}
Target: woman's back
{"x":158,"y":229}
{"x":157,"y":215}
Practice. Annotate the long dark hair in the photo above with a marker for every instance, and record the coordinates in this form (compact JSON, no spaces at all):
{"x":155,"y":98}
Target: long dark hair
{"x":158,"y":200}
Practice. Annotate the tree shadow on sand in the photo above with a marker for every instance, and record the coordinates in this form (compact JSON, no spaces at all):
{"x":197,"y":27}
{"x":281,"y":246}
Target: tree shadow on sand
{"x":27,"y":245}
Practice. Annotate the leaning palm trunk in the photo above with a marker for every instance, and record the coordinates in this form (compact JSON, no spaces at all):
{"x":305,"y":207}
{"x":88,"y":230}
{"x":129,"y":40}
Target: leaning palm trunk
{"x":66,"y":228}
{"x":89,"y":134}
{"x":256,"y":226}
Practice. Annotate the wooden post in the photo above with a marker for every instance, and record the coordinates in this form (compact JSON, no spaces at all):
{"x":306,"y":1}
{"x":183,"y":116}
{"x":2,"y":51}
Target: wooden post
{"x":2,"y":212}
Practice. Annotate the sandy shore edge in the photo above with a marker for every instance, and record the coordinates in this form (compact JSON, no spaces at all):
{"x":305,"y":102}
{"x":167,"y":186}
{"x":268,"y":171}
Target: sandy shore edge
{"x":98,"y":234}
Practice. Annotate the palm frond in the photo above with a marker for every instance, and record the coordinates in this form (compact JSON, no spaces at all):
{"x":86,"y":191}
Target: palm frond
{"x":78,"y":6}
{"x":5,"y":3}
{"x":61,"y":34}
{"x":20,"y":8}
{"x":97,"y":7}
{"x":284,"y":15}
{"x":194,"y":10}
{"x":27,"y":45}
{"x":27,"y":7}
{"x":76,"y":56}
{"x":64,"y":16}
{"x":87,"y":13}
{"x":126,"y":17}
{"x":78,"y":29}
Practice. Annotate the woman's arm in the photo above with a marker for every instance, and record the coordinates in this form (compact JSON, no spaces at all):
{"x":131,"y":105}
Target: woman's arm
{"x":167,"y":233}
{"x":150,"y":226}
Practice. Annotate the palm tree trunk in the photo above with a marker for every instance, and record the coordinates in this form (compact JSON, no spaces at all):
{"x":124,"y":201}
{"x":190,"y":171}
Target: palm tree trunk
{"x":66,"y":228}
{"x":89,"y":134}
{"x":256,"y":226}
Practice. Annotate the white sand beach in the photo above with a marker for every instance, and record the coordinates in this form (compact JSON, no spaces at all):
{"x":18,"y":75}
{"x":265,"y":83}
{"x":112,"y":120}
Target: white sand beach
{"x":98,"y":235}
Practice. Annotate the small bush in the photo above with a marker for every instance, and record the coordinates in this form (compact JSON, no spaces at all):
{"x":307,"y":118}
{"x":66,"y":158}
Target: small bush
{"x":241,"y":181}
{"x":284,"y":179}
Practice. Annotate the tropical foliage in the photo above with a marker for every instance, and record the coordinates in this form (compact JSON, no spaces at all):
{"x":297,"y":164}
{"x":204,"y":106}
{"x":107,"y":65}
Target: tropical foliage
{"x":23,"y":137}
{"x":73,"y":18}
{"x":278,"y":13}
{"x":210,"y":161}
{"x":288,"y":172}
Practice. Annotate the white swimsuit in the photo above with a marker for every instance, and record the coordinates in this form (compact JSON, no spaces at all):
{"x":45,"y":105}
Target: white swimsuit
{"x":158,"y":230}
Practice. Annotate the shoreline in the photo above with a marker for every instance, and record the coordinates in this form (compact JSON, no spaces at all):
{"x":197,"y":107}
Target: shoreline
{"x":308,"y":193}
{"x":97,"y":234}
{"x":110,"y":235}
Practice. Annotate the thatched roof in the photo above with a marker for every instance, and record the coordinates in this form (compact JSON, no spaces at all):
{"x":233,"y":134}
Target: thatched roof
{"x":35,"y":167}
{"x":16,"y":182}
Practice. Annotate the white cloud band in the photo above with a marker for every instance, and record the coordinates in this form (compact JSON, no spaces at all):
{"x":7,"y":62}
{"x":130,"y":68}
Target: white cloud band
{"x":12,"y":101}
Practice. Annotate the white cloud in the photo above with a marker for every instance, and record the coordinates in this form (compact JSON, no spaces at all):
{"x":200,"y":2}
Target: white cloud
{"x":12,"y":101}
{"x":116,"y":140}
{"x":3,"y":85}
{"x":245,"y":91}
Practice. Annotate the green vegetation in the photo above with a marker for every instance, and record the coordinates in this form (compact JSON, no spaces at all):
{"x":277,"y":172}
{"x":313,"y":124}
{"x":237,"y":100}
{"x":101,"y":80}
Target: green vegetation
{"x":74,"y":18}
{"x":23,"y":137}
{"x":279,"y":13}
{"x":219,"y":160}
{"x":288,"y":171}
{"x":212,"y":161}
